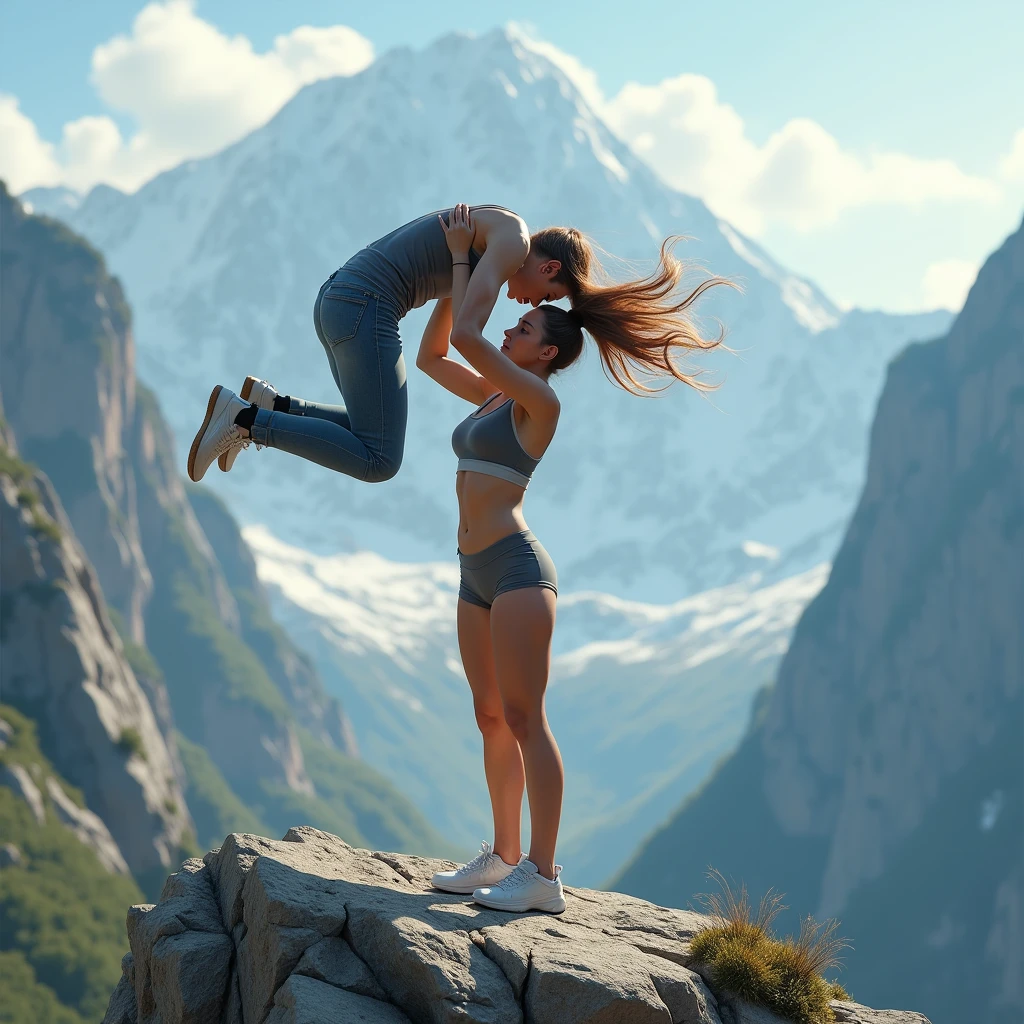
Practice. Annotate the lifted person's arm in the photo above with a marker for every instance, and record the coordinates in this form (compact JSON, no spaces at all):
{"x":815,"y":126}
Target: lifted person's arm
{"x":473,"y":298}
{"x":532,"y":392}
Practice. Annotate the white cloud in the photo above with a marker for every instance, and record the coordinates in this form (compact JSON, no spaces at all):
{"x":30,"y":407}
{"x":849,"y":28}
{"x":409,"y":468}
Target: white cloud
{"x":92,"y":150}
{"x":25,"y":159}
{"x":189,"y":89}
{"x":310,"y":54}
{"x":1011,"y":166}
{"x":695,"y":142}
{"x":801,"y":177}
{"x":945,"y":284}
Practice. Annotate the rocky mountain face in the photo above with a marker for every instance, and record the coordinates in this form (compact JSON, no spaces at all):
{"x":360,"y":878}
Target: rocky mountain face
{"x":103,"y":440}
{"x":217,"y":667}
{"x":311,"y":930}
{"x":64,"y":665}
{"x":69,"y":391}
{"x":223,"y":257}
{"x":883,"y":782}
{"x":290,"y":668}
{"x":260,"y":740}
{"x":106,"y":445}
{"x":63,"y":887}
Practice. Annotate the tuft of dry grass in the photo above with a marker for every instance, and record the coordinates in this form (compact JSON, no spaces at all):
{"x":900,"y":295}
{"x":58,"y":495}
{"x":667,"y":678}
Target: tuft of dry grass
{"x":747,"y":959}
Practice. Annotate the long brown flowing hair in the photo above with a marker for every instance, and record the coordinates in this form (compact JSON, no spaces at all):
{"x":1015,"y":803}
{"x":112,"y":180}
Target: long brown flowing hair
{"x":643,"y":328}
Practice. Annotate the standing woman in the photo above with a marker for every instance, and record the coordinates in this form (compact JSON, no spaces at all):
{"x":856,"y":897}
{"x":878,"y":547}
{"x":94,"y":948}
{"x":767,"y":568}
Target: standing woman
{"x":506,"y":607}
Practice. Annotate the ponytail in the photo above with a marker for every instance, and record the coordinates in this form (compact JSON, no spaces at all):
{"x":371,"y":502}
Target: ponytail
{"x":641,"y":327}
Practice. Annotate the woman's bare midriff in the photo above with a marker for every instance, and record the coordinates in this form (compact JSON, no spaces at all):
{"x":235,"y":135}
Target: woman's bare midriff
{"x":489,"y":508}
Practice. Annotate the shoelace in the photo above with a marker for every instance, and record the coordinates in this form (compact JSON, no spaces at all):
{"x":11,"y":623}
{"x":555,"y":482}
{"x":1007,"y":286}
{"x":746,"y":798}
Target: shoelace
{"x":522,"y":875}
{"x":228,"y":437}
{"x":244,"y":442}
{"x":479,"y":860}
{"x":517,"y":877}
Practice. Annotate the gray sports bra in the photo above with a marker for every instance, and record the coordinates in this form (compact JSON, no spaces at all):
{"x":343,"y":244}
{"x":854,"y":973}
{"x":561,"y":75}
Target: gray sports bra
{"x":489,"y":444}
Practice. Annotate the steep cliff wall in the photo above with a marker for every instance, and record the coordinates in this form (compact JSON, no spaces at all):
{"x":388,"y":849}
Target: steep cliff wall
{"x":883,"y":782}
{"x":268,"y":743}
{"x":63,"y":665}
{"x":71,"y":397}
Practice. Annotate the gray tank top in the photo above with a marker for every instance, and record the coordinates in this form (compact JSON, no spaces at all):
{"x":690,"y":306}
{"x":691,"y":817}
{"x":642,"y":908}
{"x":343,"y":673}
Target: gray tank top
{"x":489,"y":444}
{"x":412,"y":264}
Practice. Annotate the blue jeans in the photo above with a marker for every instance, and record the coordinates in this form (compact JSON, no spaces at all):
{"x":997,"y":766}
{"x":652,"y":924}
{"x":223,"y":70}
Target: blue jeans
{"x":365,"y":438}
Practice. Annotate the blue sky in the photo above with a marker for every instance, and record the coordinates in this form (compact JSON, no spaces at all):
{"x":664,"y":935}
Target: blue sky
{"x":915,"y":106}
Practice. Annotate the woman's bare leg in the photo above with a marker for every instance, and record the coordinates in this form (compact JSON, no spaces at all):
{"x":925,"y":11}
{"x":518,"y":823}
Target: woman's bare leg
{"x":522,"y":622}
{"x":503,"y":762}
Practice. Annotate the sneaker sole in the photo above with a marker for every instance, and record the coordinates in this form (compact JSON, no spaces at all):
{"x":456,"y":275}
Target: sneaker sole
{"x":222,"y":459}
{"x":459,"y":891}
{"x":556,"y":906}
{"x":194,"y":450}
{"x":247,"y":388}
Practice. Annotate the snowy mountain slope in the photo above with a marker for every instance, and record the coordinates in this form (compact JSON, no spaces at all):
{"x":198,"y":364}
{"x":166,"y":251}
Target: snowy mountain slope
{"x":222,"y":259}
{"x":644,"y":698}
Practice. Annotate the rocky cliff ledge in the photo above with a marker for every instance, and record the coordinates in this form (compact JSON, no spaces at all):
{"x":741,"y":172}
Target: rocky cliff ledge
{"x":309,"y":930}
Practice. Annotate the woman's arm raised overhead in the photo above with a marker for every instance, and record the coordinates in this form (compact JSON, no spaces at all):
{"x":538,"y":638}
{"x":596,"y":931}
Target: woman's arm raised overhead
{"x":530,"y":391}
{"x":433,"y":360}
{"x":459,"y":231}
{"x":508,"y":245}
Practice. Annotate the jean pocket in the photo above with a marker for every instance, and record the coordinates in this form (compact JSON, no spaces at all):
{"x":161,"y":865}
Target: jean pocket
{"x":340,"y":316}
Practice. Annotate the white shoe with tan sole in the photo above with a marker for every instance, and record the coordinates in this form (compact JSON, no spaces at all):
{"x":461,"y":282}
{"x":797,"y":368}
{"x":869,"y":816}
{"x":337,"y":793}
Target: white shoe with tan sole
{"x":255,"y":392}
{"x":218,"y":432}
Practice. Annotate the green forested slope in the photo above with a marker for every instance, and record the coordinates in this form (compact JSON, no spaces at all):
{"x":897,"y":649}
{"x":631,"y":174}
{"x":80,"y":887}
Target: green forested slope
{"x":62,"y":913}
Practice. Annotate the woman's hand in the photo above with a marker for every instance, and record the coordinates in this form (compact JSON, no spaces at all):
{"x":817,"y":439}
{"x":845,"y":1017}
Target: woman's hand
{"x":459,"y":231}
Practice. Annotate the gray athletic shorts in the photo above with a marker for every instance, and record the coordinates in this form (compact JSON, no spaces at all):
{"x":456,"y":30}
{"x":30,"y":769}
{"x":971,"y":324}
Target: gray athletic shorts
{"x":516,"y":561}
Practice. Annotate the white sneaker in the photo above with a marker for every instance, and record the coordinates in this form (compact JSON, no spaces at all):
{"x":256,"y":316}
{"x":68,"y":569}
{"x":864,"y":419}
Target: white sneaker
{"x":258,"y":392}
{"x":255,"y":392}
{"x":486,"y":868}
{"x":217,"y":433}
{"x":524,"y":889}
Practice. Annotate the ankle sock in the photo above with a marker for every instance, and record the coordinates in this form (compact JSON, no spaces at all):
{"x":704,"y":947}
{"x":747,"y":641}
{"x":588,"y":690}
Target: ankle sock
{"x":247,"y":417}
{"x":283,"y":403}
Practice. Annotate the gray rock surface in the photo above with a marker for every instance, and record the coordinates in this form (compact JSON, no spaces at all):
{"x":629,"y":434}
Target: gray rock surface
{"x":106,"y":448}
{"x":88,"y":827}
{"x":302,"y":1000}
{"x":58,"y":311}
{"x":854,"y":1013}
{"x":309,"y":930}
{"x":181,"y":951}
{"x":739,"y":1011}
{"x":923,"y":608}
{"x":63,"y":658}
{"x":333,"y":961}
{"x":122,"y":1007}
{"x":16,"y":777}
{"x":10,"y":855}
{"x":291,"y":671}
{"x":883,"y":771}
